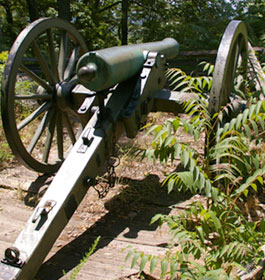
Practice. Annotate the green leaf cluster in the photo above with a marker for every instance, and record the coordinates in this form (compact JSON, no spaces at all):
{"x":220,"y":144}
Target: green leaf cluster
{"x":197,"y":25}
{"x":217,"y":236}
{"x":180,"y":81}
{"x":3,"y":59}
{"x":24,"y":86}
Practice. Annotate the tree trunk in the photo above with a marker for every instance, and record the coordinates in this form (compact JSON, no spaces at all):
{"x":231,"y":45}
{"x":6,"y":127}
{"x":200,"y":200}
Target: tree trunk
{"x":9,"y":31}
{"x":124,"y":22}
{"x":64,"y":9}
{"x":7,"y":5}
{"x":33,"y":10}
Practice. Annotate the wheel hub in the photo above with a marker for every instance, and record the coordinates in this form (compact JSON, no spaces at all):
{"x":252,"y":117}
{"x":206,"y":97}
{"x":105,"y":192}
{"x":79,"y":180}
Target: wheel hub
{"x":63,"y":94}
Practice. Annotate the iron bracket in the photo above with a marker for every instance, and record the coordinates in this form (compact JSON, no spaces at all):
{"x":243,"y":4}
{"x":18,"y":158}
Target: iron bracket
{"x":11,"y":257}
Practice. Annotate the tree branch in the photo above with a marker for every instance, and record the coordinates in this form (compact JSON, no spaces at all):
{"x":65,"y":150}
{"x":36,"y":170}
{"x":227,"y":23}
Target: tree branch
{"x":145,"y":7}
{"x":110,"y":6}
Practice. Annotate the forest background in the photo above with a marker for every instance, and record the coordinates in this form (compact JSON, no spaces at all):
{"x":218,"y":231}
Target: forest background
{"x":195,"y":24}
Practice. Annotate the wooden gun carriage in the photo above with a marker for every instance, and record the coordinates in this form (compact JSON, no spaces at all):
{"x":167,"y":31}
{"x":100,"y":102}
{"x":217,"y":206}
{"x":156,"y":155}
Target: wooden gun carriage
{"x":77,"y":107}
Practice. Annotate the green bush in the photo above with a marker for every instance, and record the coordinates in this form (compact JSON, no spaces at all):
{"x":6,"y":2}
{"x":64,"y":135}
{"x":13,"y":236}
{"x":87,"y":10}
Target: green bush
{"x":216,"y":238}
{"x":22,"y":109}
{"x":5,"y":154}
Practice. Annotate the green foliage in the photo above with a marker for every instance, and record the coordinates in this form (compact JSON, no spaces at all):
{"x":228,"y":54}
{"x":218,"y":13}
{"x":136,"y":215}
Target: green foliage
{"x":180,"y":81}
{"x":5,"y":154}
{"x":219,"y":237}
{"x":253,"y":14}
{"x":23,"y":86}
{"x":214,"y":237}
{"x":98,"y":22}
{"x":196,"y":25}
{"x":3,"y":59}
{"x":78,"y":268}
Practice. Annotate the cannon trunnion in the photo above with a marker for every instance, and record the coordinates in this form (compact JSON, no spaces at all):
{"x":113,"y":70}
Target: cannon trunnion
{"x":86,"y":99}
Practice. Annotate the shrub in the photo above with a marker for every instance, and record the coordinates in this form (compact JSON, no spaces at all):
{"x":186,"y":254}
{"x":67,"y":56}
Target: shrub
{"x":5,"y":154}
{"x":216,"y":238}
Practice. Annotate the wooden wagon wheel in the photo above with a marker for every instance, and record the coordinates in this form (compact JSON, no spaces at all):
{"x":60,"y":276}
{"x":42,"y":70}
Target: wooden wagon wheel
{"x":231,"y":61}
{"x":38,"y":107}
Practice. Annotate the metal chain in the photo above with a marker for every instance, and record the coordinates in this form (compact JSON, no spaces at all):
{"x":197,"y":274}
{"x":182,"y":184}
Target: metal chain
{"x":105,"y":183}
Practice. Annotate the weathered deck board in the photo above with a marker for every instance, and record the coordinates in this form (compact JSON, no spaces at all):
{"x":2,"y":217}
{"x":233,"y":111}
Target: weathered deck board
{"x":118,"y":230}
{"x":108,"y":261}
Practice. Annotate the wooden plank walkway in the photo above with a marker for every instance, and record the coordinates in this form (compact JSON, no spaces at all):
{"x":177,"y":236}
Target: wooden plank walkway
{"x":119,"y":219}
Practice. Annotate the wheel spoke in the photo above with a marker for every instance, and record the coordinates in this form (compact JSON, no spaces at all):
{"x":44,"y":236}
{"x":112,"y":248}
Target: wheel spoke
{"x":69,"y":127}
{"x":39,"y":131}
{"x":52,"y":55}
{"x":242,"y":58}
{"x":236,"y":54}
{"x":59,"y":130}
{"x":231,"y":71}
{"x":44,"y":107}
{"x":70,"y":69}
{"x":36,"y":78}
{"x":64,"y":46}
{"x":50,"y":133}
{"x":43,"y":64}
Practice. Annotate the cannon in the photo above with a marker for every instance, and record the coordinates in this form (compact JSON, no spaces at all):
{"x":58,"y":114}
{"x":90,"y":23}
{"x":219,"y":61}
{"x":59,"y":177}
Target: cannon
{"x":76,"y":107}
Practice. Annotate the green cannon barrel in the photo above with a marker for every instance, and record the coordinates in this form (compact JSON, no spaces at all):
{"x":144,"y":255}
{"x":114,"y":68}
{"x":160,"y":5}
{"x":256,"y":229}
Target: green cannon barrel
{"x":102,"y":69}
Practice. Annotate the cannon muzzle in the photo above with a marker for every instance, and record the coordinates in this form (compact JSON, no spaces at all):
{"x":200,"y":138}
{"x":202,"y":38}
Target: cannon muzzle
{"x":102,"y":69}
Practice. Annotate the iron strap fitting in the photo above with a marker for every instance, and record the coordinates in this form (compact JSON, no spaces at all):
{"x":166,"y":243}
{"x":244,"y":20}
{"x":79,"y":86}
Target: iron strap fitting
{"x":87,"y":138}
{"x":43,"y":210}
{"x":150,"y":62}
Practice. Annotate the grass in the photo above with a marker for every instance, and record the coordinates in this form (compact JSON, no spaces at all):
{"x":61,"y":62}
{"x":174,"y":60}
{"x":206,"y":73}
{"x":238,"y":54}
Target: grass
{"x":78,"y":268}
{"x":5,"y":152}
{"x":23,"y":109}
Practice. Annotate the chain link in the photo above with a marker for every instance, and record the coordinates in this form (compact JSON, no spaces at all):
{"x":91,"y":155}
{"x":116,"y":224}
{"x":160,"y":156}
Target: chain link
{"x":105,"y":183}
